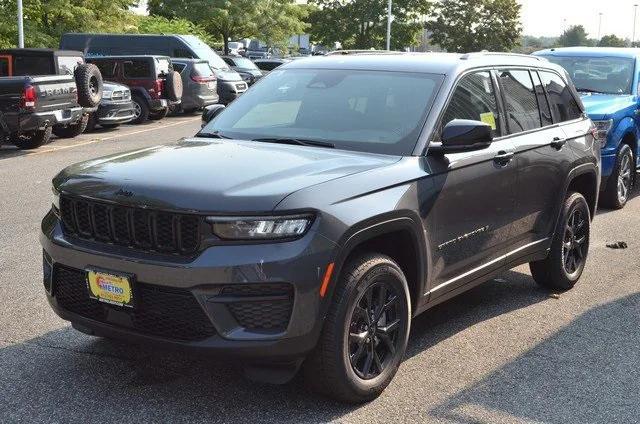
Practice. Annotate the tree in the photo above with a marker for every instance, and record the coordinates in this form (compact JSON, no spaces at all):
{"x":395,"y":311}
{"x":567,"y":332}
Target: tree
{"x":269,"y":20}
{"x":574,"y":36}
{"x":612,"y":41}
{"x":362,"y":24}
{"x":162,"y":25}
{"x":474,"y":25}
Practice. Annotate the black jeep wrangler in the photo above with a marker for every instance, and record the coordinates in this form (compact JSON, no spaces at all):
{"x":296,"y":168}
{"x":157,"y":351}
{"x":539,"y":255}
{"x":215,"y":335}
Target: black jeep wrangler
{"x":45,"y":91}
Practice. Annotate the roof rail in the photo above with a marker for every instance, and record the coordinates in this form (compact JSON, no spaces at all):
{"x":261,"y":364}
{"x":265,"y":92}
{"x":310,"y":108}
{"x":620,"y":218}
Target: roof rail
{"x":483,"y":53}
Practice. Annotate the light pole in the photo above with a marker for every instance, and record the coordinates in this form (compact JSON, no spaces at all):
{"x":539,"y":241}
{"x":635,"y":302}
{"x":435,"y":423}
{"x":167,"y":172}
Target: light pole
{"x":20,"y":26}
{"x":389,"y":25}
{"x":635,"y":12}
{"x":599,"y":24}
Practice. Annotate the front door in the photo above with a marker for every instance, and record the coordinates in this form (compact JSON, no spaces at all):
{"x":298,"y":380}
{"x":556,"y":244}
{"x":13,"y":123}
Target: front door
{"x":471,"y":216}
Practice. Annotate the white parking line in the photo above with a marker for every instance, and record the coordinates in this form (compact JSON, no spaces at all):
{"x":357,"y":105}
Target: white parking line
{"x":96,"y":140}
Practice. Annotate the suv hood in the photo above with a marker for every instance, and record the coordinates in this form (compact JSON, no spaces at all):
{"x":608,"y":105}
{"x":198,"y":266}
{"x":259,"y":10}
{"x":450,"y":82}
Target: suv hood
{"x":605,"y":106}
{"x":206,"y":175}
{"x":227,"y":75}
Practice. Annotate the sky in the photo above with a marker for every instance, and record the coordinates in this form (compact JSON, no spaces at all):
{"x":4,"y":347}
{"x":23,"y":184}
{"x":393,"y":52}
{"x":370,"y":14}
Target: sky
{"x":551,"y":17}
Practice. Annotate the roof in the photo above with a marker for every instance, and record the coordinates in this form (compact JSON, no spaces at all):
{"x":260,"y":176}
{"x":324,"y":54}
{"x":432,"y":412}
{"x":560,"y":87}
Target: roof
{"x":40,"y":52}
{"x":591,"y":51}
{"x":434,"y":63}
{"x":188,"y":60}
{"x":128,"y":56}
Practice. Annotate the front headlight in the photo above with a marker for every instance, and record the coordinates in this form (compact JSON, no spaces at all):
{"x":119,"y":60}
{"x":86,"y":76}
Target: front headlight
{"x":602,"y":129}
{"x":56,"y":199}
{"x":106,"y":94}
{"x":260,"y":228}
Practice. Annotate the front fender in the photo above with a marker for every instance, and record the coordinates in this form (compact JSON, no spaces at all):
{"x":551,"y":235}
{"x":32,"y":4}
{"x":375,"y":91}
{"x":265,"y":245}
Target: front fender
{"x":626,"y":126}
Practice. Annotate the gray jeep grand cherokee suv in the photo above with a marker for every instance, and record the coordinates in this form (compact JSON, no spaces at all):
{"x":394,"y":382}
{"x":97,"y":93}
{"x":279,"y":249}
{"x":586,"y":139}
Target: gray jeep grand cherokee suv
{"x":308,"y":222}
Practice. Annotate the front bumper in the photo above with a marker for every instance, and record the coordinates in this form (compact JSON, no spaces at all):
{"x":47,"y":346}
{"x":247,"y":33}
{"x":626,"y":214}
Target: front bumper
{"x":300,"y":264}
{"x":115,"y":113}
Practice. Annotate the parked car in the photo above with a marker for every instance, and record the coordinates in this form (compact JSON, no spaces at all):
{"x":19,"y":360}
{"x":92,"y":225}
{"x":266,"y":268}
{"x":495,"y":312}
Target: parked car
{"x":200,"y":86}
{"x":115,"y":108}
{"x":308,"y":223}
{"x":88,"y":81}
{"x":153,"y":83}
{"x":609,"y":84}
{"x":230,"y":84}
{"x":268,"y":65}
{"x":256,"y":50}
{"x":31,"y":106}
{"x":245,"y":67}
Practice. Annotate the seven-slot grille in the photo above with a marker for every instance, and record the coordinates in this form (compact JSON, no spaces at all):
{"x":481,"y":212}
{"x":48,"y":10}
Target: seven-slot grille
{"x":133,"y":227}
{"x":121,"y":95}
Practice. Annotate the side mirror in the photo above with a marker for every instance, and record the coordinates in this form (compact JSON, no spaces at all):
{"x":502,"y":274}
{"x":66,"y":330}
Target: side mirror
{"x":211,"y":112}
{"x":462,"y":135}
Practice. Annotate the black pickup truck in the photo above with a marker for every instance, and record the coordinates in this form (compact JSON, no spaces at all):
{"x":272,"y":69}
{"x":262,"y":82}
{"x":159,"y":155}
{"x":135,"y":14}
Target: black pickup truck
{"x":44,"y":91}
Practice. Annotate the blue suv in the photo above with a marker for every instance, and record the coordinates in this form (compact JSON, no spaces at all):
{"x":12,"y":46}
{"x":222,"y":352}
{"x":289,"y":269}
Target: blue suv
{"x":608,"y":82}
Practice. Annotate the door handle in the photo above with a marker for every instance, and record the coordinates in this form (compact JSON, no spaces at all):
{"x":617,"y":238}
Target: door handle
{"x":503,"y":158}
{"x":558,"y":142}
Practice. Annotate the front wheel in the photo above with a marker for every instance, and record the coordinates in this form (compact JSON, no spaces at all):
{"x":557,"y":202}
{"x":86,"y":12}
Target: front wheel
{"x":620,"y":182}
{"x":562,"y":268}
{"x":72,"y":130}
{"x":365,"y":333}
{"x":156,"y":115}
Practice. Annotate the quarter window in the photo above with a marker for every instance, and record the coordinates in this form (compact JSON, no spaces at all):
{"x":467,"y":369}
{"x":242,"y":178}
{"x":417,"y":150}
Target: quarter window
{"x":137,"y":69}
{"x":4,"y":66}
{"x":521,"y":105}
{"x":474,"y":98}
{"x":107,"y":68}
{"x":563,"y":105}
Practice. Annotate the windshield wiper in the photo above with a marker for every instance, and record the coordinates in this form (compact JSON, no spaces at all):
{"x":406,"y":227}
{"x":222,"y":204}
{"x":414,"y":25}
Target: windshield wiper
{"x":588,"y":90}
{"x":296,"y":141}
{"x":215,"y":134}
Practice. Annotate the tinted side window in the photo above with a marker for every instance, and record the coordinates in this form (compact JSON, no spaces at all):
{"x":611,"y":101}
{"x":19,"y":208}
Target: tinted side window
{"x":137,"y":69}
{"x":563,"y":105}
{"x":4,"y":66}
{"x":178,"y":67}
{"x":474,"y":98}
{"x":268,"y":66}
{"x":545,"y":110}
{"x":107,"y":67}
{"x":521,"y":105}
{"x":229,"y":61}
{"x":178,"y":52}
{"x":32,"y":65}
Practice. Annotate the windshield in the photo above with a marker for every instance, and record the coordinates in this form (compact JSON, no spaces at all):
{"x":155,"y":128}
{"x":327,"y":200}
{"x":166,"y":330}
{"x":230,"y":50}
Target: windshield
{"x":370,"y":111}
{"x":203,"y":51}
{"x":609,"y":75}
{"x":243,"y":62}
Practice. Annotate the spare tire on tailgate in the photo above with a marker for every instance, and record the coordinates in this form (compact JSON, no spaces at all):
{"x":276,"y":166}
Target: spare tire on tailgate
{"x":89,"y":83}
{"x":173,"y":86}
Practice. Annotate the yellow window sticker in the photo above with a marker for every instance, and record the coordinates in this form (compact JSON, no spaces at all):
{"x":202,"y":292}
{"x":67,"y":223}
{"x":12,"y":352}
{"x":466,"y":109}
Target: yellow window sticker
{"x":488,"y":118}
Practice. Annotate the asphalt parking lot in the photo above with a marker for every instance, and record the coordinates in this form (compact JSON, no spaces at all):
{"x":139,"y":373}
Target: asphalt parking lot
{"x":506,"y":351}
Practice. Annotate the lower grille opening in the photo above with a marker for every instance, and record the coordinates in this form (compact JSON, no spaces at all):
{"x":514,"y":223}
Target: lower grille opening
{"x":159,"y":311}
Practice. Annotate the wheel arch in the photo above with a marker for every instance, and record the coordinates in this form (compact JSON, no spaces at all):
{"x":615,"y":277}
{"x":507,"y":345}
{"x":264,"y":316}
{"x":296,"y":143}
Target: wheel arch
{"x":399,"y":236}
{"x":584,"y":180}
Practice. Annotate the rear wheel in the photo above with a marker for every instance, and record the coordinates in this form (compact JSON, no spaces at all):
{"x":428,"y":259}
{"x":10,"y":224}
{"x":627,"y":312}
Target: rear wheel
{"x":562,"y":268}
{"x":91,"y":123}
{"x":33,"y":140}
{"x":365,"y":333}
{"x":72,"y":130}
{"x":140,"y":110}
{"x":621,"y":180}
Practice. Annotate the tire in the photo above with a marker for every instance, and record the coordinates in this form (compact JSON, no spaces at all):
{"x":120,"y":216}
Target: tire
{"x":89,"y":84}
{"x":33,"y":141}
{"x":557,"y":271}
{"x":329,"y":369}
{"x":91,"y":123}
{"x":158,"y":115}
{"x":619,"y":184}
{"x":141,"y":110}
{"x":173,"y":86}
{"x":73,"y":130}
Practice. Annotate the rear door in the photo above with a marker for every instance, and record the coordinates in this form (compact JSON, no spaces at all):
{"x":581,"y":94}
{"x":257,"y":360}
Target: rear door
{"x":540,"y":157}
{"x":471,"y":216}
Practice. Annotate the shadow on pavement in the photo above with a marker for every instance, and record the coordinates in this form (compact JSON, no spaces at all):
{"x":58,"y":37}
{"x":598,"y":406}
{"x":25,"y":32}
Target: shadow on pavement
{"x":588,"y":372}
{"x":65,"y":376}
